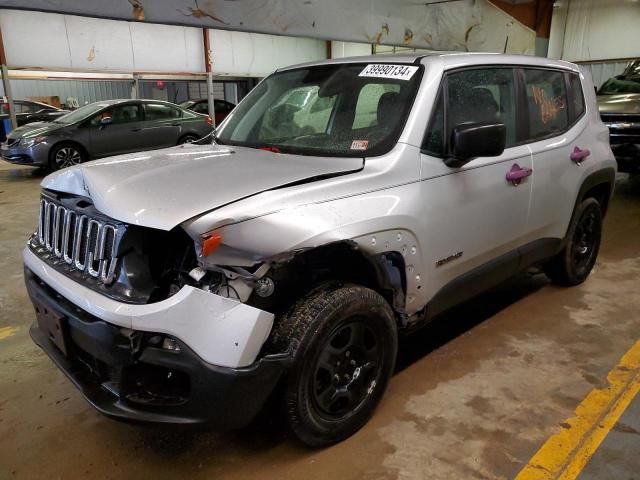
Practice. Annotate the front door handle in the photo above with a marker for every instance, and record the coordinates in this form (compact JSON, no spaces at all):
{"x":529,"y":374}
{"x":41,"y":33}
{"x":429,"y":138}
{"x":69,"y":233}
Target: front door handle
{"x":136,"y":129}
{"x":578,"y":156}
{"x":517,"y":173}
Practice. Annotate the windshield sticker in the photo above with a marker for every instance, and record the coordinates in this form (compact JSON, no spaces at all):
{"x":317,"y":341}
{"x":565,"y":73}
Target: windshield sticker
{"x":401,"y":72}
{"x":359,"y":144}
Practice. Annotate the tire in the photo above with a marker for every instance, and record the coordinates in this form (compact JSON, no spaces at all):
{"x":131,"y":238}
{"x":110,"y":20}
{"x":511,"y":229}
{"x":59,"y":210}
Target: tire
{"x":343,"y":340}
{"x":576,"y":260}
{"x":66,"y":154}
{"x":188,"y":138}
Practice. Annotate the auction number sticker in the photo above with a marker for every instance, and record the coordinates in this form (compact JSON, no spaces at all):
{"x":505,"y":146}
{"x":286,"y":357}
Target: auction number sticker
{"x":387,"y":70}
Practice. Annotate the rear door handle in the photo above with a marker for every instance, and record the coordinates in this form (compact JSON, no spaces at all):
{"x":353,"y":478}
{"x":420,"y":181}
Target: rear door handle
{"x":578,"y":156}
{"x":517,"y":173}
{"x":136,"y":129}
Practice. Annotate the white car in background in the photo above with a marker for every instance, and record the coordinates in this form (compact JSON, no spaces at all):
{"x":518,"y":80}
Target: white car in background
{"x":342,"y":201}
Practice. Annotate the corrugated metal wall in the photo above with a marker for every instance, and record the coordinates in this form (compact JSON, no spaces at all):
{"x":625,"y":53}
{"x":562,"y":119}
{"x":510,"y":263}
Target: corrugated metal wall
{"x":86,"y":91}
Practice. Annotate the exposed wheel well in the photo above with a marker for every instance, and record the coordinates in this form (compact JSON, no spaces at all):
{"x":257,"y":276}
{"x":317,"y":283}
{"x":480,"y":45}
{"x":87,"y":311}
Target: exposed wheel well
{"x":602,"y":193}
{"x":341,"y":261}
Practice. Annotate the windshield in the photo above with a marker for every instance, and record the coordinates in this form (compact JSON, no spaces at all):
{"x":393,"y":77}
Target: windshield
{"x":187,"y":104}
{"x":333,"y":110}
{"x":81,"y":113}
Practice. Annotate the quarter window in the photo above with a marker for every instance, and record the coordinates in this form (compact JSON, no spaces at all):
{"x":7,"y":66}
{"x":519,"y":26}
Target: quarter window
{"x":547,"y":102}
{"x":434,"y":140}
{"x":577,"y":97}
{"x":202,"y":107}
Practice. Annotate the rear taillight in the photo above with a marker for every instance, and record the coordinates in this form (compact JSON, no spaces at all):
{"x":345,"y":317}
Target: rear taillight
{"x":209,"y":120}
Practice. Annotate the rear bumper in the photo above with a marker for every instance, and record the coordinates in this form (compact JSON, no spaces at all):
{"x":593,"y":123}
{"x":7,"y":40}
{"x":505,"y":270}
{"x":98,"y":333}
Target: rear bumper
{"x":127,"y":375}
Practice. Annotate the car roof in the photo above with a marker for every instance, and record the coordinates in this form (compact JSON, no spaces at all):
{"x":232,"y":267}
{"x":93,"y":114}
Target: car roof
{"x":117,"y":101}
{"x":447,"y":60}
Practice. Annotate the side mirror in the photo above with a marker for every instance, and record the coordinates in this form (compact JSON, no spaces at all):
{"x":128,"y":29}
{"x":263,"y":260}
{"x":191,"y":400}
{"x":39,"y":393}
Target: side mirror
{"x":105,"y":121}
{"x":471,"y":140}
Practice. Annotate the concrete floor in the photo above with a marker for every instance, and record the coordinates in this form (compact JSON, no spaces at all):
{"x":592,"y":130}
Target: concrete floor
{"x":475,"y":394}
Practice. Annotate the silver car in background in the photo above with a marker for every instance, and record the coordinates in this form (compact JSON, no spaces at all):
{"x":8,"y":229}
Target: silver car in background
{"x":102,"y":129}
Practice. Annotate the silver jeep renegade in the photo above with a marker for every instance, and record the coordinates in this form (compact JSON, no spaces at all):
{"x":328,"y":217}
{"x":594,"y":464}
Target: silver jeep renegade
{"x":339,"y":203}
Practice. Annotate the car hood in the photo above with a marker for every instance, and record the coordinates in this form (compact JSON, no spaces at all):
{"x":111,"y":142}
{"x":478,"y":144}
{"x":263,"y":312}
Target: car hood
{"x":35,"y":129}
{"x":619,"y":103}
{"x":164,"y":188}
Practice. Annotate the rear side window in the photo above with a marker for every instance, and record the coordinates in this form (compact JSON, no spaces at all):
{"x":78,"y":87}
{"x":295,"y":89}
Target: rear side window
{"x":547,"y":102}
{"x":202,"y":107}
{"x":159,"y":111}
{"x":577,"y":97}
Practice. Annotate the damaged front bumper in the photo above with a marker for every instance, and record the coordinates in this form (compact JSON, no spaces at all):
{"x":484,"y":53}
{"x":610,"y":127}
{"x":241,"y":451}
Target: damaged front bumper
{"x":129,"y":373}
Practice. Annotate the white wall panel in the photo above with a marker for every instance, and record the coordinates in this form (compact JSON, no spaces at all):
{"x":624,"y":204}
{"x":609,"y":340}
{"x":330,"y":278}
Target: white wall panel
{"x":98,"y":44}
{"x":49,"y":40}
{"x":26,"y":48}
{"x":257,"y":55}
{"x":167,"y":48}
{"x":592,"y":30}
{"x":349,"y":49}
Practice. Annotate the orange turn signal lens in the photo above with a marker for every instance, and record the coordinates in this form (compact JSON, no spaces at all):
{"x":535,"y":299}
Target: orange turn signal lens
{"x":211,"y":241}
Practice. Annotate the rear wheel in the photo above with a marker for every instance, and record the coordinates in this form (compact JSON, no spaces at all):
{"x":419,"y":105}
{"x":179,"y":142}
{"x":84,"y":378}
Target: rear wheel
{"x":66,"y":155}
{"x":576,"y":260}
{"x":189,"y":138}
{"x":343,"y":339}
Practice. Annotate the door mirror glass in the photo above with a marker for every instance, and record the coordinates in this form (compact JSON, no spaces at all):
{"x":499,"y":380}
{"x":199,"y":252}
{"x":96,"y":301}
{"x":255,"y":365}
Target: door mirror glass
{"x":106,"y":121}
{"x":471,"y":140}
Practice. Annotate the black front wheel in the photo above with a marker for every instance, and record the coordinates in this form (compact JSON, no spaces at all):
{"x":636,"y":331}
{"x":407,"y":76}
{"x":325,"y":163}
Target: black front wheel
{"x":65,"y":155}
{"x":189,"y":138}
{"x":343,"y":339}
{"x":576,"y":260}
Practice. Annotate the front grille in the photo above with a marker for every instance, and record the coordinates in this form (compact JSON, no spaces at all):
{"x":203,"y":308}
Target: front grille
{"x":84,"y":243}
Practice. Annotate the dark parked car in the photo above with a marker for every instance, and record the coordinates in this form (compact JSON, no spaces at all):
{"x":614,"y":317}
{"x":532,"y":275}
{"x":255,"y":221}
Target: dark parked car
{"x":222,"y":108}
{"x":619,"y":104}
{"x":28,"y":111}
{"x":101,"y":129}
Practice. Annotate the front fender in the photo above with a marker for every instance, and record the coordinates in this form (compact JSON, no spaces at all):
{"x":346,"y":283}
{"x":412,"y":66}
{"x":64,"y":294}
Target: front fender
{"x":377,"y":222}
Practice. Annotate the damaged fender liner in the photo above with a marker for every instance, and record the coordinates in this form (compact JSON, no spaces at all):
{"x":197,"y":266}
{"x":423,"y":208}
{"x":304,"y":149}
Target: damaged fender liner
{"x":105,"y":366}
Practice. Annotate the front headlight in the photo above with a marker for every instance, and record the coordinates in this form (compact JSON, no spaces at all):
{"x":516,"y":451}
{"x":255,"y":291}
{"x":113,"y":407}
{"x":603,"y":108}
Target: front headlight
{"x":31,"y":141}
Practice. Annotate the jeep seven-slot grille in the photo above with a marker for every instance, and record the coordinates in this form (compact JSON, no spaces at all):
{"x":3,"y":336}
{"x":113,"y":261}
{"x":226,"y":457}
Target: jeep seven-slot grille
{"x":84,"y":243}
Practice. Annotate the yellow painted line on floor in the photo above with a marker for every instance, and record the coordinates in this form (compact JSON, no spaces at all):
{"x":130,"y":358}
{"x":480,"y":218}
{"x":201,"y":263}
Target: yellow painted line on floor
{"x":565,"y":454}
{"x":6,"y":332}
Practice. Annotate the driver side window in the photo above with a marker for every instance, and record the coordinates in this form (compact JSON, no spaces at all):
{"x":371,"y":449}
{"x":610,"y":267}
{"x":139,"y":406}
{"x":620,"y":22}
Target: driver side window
{"x":122,"y":114}
{"x":472,"y":96}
